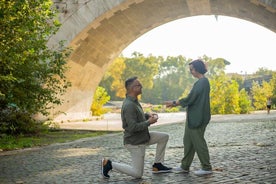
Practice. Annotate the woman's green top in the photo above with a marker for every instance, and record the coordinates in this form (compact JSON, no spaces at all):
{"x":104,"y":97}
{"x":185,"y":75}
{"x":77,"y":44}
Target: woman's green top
{"x":198,"y":104}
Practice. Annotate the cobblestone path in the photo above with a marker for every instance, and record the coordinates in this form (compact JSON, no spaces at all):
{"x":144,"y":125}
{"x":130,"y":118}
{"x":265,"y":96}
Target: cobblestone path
{"x":241,"y":152}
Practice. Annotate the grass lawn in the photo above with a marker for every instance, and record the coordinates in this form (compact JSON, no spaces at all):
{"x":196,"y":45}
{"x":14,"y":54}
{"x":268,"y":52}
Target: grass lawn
{"x":50,"y":137}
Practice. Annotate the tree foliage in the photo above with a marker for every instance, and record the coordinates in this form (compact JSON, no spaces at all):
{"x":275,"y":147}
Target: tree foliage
{"x":273,"y":86}
{"x":260,"y":93}
{"x":99,"y":99}
{"x":217,"y":94}
{"x":116,"y":75}
{"x":162,"y":79}
{"x":143,"y":67}
{"x":122,"y":68}
{"x":169,"y":78}
{"x":215,"y":66}
{"x":225,"y":94}
{"x":244,"y":102}
{"x":32,"y":75}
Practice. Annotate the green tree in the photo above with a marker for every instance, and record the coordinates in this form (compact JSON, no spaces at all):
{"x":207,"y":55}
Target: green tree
{"x":260,"y":93}
{"x":217,"y":94}
{"x":263,"y":71}
{"x":173,"y":78}
{"x":239,"y":79}
{"x":115,"y":72}
{"x":273,"y":86}
{"x":31,"y":74}
{"x":232,"y":98}
{"x":244,"y":102}
{"x":215,"y":66}
{"x":226,"y":97}
{"x":145,"y":68}
{"x":99,"y":99}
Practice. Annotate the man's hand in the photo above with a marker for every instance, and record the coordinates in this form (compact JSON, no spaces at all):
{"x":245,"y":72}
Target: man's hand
{"x":153,"y":118}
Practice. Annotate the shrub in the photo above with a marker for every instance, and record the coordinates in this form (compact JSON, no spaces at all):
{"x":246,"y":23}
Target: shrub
{"x":15,"y":122}
{"x":161,"y":108}
{"x":99,"y":99}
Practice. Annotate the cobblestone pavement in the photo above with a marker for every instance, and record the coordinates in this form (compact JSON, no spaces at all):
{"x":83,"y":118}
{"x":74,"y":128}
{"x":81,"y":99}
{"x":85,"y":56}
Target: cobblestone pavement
{"x":241,"y":152}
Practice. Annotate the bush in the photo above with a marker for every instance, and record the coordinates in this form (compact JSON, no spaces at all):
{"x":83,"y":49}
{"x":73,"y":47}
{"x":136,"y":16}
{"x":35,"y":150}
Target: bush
{"x":15,"y":122}
{"x":99,"y":99}
{"x":161,"y":109}
{"x":173,"y":109}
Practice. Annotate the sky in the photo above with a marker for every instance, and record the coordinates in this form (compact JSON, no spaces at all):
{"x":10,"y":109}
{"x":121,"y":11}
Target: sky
{"x":246,"y":45}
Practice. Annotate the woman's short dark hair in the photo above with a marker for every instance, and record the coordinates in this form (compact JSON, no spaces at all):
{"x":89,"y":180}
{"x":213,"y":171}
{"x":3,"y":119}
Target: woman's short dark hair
{"x":129,"y":81}
{"x":199,"y":66}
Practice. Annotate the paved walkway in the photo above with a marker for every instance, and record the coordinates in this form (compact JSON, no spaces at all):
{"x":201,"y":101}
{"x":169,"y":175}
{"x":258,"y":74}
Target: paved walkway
{"x":112,"y":122}
{"x":242,"y":150}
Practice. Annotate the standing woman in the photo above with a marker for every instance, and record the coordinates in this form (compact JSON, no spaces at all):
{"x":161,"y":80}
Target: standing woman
{"x":198,"y":117}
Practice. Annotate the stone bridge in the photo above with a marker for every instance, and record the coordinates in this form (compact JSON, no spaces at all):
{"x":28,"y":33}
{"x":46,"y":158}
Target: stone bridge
{"x":99,"y":30}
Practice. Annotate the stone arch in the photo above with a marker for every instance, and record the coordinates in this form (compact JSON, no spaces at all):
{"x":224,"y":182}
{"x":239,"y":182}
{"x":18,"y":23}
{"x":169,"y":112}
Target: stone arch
{"x":99,"y":30}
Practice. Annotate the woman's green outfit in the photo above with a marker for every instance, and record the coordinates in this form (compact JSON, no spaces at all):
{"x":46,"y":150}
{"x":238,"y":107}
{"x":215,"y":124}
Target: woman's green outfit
{"x":198,"y":116}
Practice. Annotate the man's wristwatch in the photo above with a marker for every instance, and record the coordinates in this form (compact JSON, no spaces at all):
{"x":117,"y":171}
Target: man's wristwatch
{"x":174,"y":103}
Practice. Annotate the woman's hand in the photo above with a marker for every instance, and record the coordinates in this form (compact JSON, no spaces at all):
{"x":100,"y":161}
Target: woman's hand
{"x":170,"y":103}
